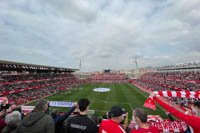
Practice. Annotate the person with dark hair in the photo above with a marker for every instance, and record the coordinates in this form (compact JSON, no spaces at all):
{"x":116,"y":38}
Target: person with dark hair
{"x":169,"y":115}
{"x":140,"y":117}
{"x":95,"y":118}
{"x":81,"y":123}
{"x":37,"y":121}
{"x":83,"y":104}
{"x":113,"y":125}
{"x":58,"y":120}
{"x":105,"y":117}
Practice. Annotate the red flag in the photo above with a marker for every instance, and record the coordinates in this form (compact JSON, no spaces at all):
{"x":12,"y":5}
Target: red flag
{"x":150,"y":103}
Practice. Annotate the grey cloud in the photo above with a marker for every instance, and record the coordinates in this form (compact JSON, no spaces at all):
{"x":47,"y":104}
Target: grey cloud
{"x":75,"y":9}
{"x":104,"y":34}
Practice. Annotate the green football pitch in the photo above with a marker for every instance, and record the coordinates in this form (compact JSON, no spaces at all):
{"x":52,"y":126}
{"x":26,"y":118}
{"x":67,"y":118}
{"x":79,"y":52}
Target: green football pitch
{"x":122,"y":94}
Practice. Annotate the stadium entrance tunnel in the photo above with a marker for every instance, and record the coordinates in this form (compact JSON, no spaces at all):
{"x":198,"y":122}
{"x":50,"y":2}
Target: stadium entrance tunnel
{"x":101,"y":89}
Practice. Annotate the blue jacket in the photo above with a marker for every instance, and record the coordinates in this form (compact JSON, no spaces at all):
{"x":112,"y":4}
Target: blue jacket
{"x":58,"y":120}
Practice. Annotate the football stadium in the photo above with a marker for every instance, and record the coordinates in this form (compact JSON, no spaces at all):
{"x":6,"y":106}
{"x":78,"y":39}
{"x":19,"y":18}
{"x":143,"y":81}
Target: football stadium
{"x":24,"y":85}
{"x":100,"y":66}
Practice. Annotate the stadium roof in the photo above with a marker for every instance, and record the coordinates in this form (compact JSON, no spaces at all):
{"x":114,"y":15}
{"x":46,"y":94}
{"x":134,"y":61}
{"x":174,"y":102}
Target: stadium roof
{"x":178,"y":68}
{"x":18,"y":66}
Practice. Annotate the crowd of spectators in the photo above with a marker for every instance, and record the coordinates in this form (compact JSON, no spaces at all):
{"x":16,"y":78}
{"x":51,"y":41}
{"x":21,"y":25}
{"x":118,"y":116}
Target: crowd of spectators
{"x":172,"y":81}
{"x":41,"y":120}
{"x":178,"y":75}
{"x":108,"y":78}
{"x":22,"y":88}
{"x":192,"y":118}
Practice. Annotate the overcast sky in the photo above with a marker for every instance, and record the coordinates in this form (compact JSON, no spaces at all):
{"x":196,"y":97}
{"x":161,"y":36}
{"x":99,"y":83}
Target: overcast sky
{"x":104,"y":34}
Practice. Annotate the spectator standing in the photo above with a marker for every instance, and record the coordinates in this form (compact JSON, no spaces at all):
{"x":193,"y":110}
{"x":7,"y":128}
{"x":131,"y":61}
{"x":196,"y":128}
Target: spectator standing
{"x":37,"y":121}
{"x":140,"y":117}
{"x":12,"y":121}
{"x":113,"y":125}
{"x":4,"y":104}
{"x":58,"y":120}
{"x":125,"y":124}
{"x":2,"y":120}
{"x":81,"y":123}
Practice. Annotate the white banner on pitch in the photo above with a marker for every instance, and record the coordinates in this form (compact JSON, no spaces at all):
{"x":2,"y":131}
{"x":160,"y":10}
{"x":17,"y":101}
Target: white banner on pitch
{"x":61,"y":104}
{"x":27,"y":108}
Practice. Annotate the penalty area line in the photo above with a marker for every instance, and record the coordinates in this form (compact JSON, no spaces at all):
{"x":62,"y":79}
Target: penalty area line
{"x":115,"y":102}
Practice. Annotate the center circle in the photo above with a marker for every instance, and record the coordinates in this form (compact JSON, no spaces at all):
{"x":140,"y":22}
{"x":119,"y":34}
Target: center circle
{"x":101,"y":89}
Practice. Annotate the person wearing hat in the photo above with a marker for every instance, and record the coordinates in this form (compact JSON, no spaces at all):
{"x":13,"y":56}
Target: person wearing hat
{"x":113,"y":125}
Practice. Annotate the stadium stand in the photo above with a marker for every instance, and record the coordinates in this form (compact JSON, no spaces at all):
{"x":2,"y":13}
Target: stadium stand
{"x":172,"y":81}
{"x":108,"y":78}
{"x":181,"y":66}
{"x":22,"y":83}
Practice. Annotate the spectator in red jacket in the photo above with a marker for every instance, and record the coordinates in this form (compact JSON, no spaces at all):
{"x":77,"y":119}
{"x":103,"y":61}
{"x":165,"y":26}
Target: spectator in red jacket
{"x":113,"y":125}
{"x":140,"y":117}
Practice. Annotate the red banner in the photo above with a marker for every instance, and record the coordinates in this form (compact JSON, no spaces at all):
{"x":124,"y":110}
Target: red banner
{"x":168,"y":126}
{"x":150,"y":104}
{"x":180,"y":94}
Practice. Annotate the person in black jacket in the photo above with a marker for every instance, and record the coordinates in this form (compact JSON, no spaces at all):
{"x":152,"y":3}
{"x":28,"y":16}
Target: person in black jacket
{"x":81,"y":123}
{"x":58,"y":120}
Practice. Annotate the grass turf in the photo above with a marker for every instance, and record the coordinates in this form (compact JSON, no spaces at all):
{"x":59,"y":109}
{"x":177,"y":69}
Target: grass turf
{"x":123,"y":94}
